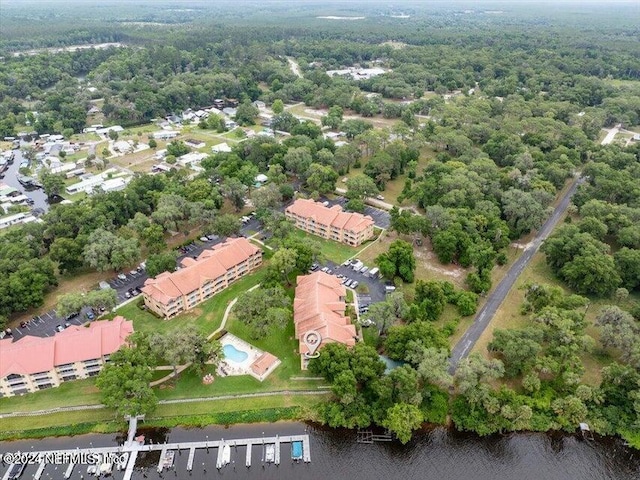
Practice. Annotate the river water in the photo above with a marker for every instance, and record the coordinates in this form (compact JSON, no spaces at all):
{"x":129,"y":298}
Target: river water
{"x":10,"y":178}
{"x":438,"y":454}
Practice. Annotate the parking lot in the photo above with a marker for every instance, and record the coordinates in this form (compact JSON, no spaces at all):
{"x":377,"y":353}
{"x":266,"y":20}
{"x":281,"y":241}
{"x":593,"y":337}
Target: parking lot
{"x":375,"y":286}
{"x":381,"y":218}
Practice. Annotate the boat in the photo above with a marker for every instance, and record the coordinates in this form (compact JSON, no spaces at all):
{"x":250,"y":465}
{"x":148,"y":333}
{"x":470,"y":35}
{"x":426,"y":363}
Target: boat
{"x":167,"y":460}
{"x":296,"y":450}
{"x":15,"y":471}
{"x":106,"y":468}
{"x":225,"y":456}
{"x":121,"y":464}
{"x":270,"y":453}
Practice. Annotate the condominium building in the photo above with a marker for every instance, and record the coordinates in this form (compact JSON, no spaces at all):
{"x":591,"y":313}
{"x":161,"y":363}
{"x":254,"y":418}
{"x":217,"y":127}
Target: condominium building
{"x":330,"y":222}
{"x":34,"y":363}
{"x":319,"y":314}
{"x":171,"y":293}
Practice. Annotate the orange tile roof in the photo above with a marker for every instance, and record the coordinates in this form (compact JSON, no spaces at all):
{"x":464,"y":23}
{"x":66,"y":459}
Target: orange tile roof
{"x":210,"y":265}
{"x":318,"y":306}
{"x":31,"y":355}
{"x":263,"y":363}
{"x":331,"y":216}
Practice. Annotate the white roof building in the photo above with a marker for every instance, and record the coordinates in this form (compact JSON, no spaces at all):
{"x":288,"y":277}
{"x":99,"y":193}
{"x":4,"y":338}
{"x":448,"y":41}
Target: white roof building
{"x":221,"y":148}
{"x":24,"y":217}
{"x":190,"y":158}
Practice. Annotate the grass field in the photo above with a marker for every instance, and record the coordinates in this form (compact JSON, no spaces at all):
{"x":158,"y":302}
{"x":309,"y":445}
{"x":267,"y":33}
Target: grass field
{"x":333,"y":251}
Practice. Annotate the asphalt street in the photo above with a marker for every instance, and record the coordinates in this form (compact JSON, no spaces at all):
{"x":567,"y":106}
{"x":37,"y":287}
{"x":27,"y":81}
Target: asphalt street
{"x":494,"y":300}
{"x":45,"y":325}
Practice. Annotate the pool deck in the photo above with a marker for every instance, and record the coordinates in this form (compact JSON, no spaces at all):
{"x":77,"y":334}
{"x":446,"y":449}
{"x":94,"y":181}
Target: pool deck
{"x":229,"y":367}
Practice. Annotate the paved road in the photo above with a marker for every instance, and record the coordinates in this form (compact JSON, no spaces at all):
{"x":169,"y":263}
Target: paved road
{"x":485,"y":315}
{"x":611,"y":134}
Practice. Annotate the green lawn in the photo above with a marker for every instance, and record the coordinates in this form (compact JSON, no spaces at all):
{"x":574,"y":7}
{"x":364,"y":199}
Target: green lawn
{"x":334,"y":251}
{"x":79,"y":392}
{"x":189,"y":384}
{"x":206,"y":317}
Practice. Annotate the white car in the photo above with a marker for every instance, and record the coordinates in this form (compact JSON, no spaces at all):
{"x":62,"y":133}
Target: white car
{"x":122,"y":276}
{"x":204,"y":239}
{"x":379,"y":197}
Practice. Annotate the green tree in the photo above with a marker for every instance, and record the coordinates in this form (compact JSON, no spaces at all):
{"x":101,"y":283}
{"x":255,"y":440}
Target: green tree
{"x":402,"y":419}
{"x":177,"y":148}
{"x":124,"y":381}
{"x":398,"y":261}
{"x":105,"y":250}
{"x":67,"y":253}
{"x":153,"y":237}
{"x":283,"y":263}
{"x":74,"y":302}
{"x":52,"y":184}
{"x":277,"y":106}
{"x":160,"y":262}
{"x":263,"y":310}
{"x":360,"y":187}
{"x":321,"y":178}
{"x":226,"y":225}
{"x":246,"y":114}
{"x":234,"y":191}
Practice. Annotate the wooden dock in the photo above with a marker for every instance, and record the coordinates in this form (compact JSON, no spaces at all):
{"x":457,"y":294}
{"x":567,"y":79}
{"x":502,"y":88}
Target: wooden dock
{"x":192,"y":454}
{"x":277,"y":459}
{"x":38,"y":473}
{"x":69,"y":471}
{"x":248,"y":458}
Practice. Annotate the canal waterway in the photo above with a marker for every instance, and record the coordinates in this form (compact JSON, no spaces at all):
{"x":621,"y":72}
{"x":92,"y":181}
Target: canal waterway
{"x":437,"y":454}
{"x":11,"y":178}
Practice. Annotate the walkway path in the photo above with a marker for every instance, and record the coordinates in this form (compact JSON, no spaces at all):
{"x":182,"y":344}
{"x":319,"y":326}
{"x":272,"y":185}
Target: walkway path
{"x":496,"y":297}
{"x":295,"y":68}
{"x":611,"y":134}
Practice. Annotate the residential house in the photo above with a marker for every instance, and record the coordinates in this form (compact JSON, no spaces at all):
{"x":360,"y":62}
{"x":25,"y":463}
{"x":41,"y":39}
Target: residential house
{"x":330,"y":222}
{"x":171,"y":293}
{"x":35,"y":363}
{"x":319,"y":314}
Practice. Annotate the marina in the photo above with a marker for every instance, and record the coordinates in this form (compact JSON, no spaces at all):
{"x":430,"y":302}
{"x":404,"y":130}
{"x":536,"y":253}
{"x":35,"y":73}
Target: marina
{"x":115,"y":459}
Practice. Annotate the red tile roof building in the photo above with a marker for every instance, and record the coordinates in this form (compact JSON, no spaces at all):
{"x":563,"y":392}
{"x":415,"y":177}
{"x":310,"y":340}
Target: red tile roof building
{"x":319,"y":306}
{"x":35,"y":363}
{"x":330,"y":222}
{"x":171,"y":293}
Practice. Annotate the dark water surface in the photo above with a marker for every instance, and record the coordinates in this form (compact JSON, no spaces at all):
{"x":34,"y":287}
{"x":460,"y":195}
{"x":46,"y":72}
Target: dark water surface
{"x":439,"y":454}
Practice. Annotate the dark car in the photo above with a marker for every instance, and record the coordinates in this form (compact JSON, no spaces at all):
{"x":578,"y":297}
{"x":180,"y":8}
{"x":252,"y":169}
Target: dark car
{"x":90,"y":315}
{"x":72,"y":315}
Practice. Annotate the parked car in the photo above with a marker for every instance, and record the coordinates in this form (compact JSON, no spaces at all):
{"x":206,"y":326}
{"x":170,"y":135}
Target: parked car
{"x":122,"y":276}
{"x":59,"y":328}
{"x":212,"y":237}
{"x":379,"y":197}
{"x":346,"y":263}
{"x":72,"y":315}
{"x":355,"y":284}
{"x":364,"y":269}
{"x":90,"y":315}
{"x":127,"y":295}
{"x":133,"y":272}
{"x":348,"y":282}
{"x":204,"y":239}
{"x":314,"y":267}
{"x":325,"y":269}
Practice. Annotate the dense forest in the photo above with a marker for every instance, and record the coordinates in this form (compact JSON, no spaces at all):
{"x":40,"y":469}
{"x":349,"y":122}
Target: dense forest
{"x":510,"y":108}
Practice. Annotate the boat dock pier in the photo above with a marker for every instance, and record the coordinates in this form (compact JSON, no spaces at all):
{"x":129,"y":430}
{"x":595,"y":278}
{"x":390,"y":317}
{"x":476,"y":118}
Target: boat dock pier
{"x":133,"y":446}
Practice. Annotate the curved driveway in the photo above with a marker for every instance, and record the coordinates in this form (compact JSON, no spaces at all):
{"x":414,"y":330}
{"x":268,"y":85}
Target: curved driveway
{"x":496,"y":297}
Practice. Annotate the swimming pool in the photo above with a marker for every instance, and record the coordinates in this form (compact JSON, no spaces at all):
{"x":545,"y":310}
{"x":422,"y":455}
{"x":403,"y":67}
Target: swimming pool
{"x":233,"y":354}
